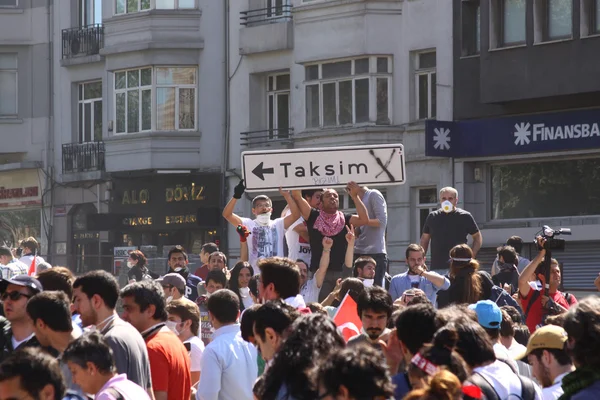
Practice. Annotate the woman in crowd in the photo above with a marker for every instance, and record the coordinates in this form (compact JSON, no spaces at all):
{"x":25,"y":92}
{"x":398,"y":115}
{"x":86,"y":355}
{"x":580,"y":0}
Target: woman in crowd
{"x":239,"y":282}
{"x":138,"y":267}
{"x":435,"y":357}
{"x":353,"y":286}
{"x":444,"y":385}
{"x":312,"y":338}
{"x":467,"y":284}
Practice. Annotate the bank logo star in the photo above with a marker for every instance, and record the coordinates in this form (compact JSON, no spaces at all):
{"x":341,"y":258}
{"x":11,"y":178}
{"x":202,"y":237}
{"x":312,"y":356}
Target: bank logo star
{"x":441,"y":139}
{"x":522,"y":134}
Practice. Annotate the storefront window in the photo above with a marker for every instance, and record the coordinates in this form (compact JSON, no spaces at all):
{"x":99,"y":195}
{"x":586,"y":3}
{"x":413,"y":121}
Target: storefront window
{"x":546,"y":189}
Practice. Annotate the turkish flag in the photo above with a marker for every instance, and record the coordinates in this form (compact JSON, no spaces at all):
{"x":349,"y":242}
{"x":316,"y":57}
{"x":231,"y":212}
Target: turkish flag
{"x":31,"y":271}
{"x":346,"y":318}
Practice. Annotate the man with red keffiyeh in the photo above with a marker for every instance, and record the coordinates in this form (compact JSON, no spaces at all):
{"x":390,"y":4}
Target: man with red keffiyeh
{"x":331,"y":222}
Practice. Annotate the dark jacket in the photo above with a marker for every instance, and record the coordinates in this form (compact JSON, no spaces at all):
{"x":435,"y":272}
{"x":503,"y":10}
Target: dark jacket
{"x":6,"y":346}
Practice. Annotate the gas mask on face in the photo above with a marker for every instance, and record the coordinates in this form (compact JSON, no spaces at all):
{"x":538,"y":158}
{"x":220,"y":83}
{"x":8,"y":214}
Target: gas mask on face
{"x":447,"y":206}
{"x":172,"y":325}
{"x":263,"y":219}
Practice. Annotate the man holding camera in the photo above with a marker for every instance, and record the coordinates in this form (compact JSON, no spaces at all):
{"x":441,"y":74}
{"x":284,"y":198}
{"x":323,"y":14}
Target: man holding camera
{"x":536,"y":304}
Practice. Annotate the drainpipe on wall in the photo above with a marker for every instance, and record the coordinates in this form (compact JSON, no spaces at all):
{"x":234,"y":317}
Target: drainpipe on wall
{"x":50,"y":140}
{"x":227,"y":125}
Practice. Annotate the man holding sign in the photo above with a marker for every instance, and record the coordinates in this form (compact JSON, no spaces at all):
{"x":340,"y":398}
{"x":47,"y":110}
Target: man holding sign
{"x":331,"y":222}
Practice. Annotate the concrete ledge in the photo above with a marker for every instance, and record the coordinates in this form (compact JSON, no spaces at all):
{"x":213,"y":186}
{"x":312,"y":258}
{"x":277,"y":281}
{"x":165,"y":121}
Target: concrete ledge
{"x":71,"y":177}
{"x":68,"y":62}
{"x":268,"y":36}
{"x":21,"y":165}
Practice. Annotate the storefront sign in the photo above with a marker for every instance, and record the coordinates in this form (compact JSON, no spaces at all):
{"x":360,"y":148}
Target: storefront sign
{"x":83,"y":236}
{"x":60,"y":211}
{"x":514,"y":135}
{"x":164,"y":201}
{"x":20,"y":188}
{"x":123,"y":252}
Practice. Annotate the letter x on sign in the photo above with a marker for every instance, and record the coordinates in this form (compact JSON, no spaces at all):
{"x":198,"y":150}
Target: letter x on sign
{"x":384,"y":166}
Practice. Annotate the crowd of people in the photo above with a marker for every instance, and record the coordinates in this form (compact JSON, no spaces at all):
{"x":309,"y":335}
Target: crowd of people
{"x":308,"y":312}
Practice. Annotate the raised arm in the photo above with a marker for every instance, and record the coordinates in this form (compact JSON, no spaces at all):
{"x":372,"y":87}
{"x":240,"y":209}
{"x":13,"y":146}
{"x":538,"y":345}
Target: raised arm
{"x":295,"y":211}
{"x":228,"y":213}
{"x":350,"y":238}
{"x":363,"y":217}
{"x":324,"y":262}
{"x":302,"y":204}
{"x":529,"y":270}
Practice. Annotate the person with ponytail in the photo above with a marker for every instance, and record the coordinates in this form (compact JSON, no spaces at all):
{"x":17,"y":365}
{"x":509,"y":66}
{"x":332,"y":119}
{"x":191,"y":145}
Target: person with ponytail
{"x":440,"y":355}
{"x":468,"y":284}
{"x":444,"y":385}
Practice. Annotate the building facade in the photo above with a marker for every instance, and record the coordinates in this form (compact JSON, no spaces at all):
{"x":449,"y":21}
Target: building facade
{"x":327,"y":73}
{"x":525,"y":138}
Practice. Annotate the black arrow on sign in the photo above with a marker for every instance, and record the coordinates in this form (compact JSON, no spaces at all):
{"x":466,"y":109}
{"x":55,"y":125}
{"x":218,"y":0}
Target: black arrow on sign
{"x":260,"y":172}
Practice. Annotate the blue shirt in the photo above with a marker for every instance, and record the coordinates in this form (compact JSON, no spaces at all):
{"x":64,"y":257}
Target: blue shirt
{"x":229,"y":367}
{"x":401,"y":282}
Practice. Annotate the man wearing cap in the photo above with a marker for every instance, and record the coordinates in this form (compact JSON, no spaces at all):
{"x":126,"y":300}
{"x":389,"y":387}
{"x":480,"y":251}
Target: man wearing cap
{"x":547,"y":354}
{"x":19,"y":332}
{"x":173,"y":285}
{"x":489,"y":316}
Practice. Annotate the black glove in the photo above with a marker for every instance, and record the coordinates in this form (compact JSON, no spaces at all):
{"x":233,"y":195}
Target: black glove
{"x":238,"y":191}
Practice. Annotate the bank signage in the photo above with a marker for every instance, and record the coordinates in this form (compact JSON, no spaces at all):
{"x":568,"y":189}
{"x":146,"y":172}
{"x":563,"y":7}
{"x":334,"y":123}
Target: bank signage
{"x":514,"y":135}
{"x":20,"y":188}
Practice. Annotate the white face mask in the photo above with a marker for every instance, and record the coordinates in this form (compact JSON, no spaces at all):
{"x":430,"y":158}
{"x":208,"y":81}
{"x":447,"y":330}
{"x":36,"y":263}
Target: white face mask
{"x":368,"y":282}
{"x":263,"y":219}
{"x":244,"y":291}
{"x":172,"y":325}
{"x":447,"y":206}
{"x":130,"y":264}
{"x":177,"y":269}
{"x":169,"y":299}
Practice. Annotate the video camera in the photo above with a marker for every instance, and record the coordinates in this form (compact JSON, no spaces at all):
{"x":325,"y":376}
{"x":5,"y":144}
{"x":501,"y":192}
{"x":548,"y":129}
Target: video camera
{"x":552,"y":243}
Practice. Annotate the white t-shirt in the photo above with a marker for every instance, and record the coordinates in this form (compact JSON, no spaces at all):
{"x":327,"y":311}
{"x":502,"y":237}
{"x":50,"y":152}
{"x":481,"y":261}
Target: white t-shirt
{"x":264,"y":241}
{"x":502,"y":353}
{"x":505,"y":382}
{"x":29,"y":258}
{"x":298,"y":248}
{"x":197,"y":348}
{"x":516,"y":349}
{"x":555,"y":391}
{"x":310,"y":291}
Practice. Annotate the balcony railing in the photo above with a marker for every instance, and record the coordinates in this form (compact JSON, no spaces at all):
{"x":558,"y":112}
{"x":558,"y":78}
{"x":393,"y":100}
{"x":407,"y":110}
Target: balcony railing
{"x":83,"y":157}
{"x":266,"y":15}
{"x":267,"y":137}
{"x":82,"y":41}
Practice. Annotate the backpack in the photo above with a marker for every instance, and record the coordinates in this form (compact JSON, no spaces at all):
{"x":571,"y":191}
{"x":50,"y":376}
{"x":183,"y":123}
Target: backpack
{"x":72,"y":395}
{"x":489,"y":393}
{"x":503,"y":298}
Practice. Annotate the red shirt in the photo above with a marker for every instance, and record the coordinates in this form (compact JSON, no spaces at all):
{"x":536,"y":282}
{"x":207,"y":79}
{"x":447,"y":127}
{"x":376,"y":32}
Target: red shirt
{"x":169,"y":365}
{"x":202,"y":272}
{"x":534,"y":318}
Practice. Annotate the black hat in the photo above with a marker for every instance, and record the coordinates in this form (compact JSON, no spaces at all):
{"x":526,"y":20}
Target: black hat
{"x":22,"y":280}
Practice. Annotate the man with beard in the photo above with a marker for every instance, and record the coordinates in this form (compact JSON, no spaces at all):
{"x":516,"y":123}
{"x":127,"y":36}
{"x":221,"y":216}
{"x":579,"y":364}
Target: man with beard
{"x":364,"y":269}
{"x":417,"y":276}
{"x":547,"y":354}
{"x":266,"y":235}
{"x":178,"y":263}
{"x":95,"y":296}
{"x":374,"y":309}
{"x":331,"y":222}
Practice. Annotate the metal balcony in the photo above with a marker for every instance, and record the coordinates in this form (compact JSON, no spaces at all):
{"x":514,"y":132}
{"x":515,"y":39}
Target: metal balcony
{"x":83,"y":157}
{"x":266,"y":15}
{"x":268,"y":137}
{"x":82,"y":41}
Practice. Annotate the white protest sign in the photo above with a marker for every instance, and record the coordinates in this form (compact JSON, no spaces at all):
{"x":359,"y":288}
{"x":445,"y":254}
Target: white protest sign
{"x":323,"y":167}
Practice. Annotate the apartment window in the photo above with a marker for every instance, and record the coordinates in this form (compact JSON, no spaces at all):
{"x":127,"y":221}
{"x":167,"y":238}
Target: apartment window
{"x":425,"y":83}
{"x":174,"y":105}
{"x":131,"y":6}
{"x":590,"y":17}
{"x":8,"y":3}
{"x":348,"y":92}
{"x":175,"y":99}
{"x":559,"y":19}
{"x":90,"y":112}
{"x":278,"y":105}
{"x":427,"y":201}
{"x":175,"y":4}
{"x":90,"y":12}
{"x":278,"y":8}
{"x":517,"y":192}
{"x":8,"y":85}
{"x":596,"y":17}
{"x":471,"y":27}
{"x":512,"y":13}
